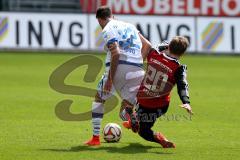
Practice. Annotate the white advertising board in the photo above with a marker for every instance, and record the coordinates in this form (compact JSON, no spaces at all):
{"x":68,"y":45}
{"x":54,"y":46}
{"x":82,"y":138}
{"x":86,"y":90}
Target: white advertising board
{"x":43,"y":31}
{"x":155,"y":28}
{"x":218,"y":35}
{"x":82,"y":32}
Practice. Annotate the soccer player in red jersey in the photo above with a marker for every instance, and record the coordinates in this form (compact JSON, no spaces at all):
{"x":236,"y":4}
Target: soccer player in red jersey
{"x":163,"y":72}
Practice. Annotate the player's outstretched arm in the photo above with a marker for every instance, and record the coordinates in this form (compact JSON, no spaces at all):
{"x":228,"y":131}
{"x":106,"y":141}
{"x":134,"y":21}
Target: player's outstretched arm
{"x":146,"y":46}
{"x":182,"y":87}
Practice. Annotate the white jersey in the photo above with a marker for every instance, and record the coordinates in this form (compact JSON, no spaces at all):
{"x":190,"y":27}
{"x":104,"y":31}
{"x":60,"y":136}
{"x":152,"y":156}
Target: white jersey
{"x":126,"y":35}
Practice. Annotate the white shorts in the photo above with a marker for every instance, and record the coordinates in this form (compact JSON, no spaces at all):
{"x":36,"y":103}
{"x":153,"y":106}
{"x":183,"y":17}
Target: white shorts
{"x":126,"y":82}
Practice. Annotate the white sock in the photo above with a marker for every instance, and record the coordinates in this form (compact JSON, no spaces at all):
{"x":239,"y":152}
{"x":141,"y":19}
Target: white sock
{"x":97,"y":116}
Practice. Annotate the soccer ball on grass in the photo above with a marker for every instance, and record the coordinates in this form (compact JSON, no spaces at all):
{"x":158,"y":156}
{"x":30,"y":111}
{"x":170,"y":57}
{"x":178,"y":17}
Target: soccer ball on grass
{"x":112,"y":132}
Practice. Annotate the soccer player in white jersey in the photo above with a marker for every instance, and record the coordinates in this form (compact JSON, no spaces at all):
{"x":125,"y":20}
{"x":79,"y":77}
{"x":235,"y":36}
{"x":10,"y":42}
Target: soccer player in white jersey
{"x":123,"y":71}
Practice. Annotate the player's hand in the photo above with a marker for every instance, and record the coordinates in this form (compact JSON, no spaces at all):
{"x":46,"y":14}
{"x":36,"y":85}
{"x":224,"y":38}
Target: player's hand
{"x":187,"y":107}
{"x":107,"y":87}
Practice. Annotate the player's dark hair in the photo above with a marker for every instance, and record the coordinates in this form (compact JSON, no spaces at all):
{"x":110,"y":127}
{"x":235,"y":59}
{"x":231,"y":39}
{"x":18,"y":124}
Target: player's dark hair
{"x":178,"y":45}
{"x":103,"y":12}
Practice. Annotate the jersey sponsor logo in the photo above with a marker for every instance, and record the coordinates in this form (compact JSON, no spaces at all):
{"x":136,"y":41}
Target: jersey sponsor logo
{"x":128,"y":40}
{"x":164,"y":67}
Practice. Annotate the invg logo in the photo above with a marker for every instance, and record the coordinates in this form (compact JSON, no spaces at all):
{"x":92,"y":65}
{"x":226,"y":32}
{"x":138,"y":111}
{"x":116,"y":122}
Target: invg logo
{"x":35,"y":33}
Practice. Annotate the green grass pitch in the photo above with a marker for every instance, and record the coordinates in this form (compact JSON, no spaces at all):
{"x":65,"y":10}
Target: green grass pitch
{"x":30,"y":130}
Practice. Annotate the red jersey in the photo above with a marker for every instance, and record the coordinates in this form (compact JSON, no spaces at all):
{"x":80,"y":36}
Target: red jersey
{"x":159,"y":80}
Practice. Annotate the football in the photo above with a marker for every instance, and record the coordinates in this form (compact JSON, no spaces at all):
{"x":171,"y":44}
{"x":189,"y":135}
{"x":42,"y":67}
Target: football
{"x":112,"y":132}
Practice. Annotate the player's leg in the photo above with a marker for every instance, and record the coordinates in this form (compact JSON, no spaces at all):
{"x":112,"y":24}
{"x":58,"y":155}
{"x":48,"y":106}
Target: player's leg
{"x":98,"y":112}
{"x":127,"y":81}
{"x":97,"y":116}
{"x":130,"y":78}
{"x":130,"y":121}
{"x":147,"y":119}
{"x":122,"y":113}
